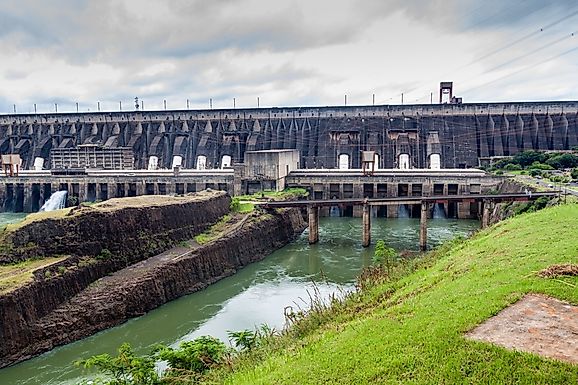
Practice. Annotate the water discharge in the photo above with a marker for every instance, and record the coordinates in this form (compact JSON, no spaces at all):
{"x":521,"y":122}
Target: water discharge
{"x":438,"y":211}
{"x":56,"y":201}
{"x":255,"y":295}
{"x":403,"y":211}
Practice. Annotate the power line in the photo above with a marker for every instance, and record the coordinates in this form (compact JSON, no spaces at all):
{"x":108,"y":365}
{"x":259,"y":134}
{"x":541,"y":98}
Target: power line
{"x":502,"y":48}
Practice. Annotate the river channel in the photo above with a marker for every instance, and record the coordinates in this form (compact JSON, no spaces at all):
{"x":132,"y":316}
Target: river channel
{"x":255,"y":295}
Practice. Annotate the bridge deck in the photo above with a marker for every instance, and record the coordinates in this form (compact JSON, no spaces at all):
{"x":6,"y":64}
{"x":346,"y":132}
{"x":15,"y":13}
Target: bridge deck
{"x":409,"y":200}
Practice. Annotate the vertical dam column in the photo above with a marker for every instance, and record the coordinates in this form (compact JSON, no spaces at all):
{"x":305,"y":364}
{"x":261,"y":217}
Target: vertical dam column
{"x":366,"y":225}
{"x":423,"y":226}
{"x":313,"y":224}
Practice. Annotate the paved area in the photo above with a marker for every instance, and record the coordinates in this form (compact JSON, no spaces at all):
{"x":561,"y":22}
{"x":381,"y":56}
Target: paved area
{"x":536,"y":324}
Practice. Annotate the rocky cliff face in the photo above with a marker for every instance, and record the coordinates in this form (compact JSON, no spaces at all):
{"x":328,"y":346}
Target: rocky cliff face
{"x":38,"y":317}
{"x":127,"y":228}
{"x":505,"y":210}
{"x":99,"y":241}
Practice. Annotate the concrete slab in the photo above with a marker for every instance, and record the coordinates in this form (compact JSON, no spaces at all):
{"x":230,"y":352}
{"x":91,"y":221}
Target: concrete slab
{"x":536,"y":324}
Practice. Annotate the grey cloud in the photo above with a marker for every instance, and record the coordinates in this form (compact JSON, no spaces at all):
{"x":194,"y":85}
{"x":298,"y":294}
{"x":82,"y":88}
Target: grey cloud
{"x":106,"y":30}
{"x":184,"y":78}
{"x":461,"y":15}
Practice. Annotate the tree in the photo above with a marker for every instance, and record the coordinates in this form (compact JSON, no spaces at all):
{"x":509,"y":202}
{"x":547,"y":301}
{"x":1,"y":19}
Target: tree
{"x":243,"y":339}
{"x":512,"y":167}
{"x":574,"y":173}
{"x":561,"y":161}
{"x":526,"y":158}
{"x":541,"y":166}
{"x":126,"y":368}
{"x":198,"y":355}
{"x":384,"y":255}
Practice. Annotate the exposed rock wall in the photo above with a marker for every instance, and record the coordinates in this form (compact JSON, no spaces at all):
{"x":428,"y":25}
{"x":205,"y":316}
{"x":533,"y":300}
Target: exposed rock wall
{"x":132,"y":291}
{"x":130,"y":228}
{"x":501,"y":211}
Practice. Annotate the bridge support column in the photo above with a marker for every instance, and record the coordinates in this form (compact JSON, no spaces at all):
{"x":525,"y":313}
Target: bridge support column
{"x":140,"y":188}
{"x":423,"y":226}
{"x":486,"y":208}
{"x":27,"y":197}
{"x":313,"y":224}
{"x":366,"y":225}
{"x":111,"y":188}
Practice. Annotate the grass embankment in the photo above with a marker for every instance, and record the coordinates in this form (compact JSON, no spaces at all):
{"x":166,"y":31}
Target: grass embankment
{"x":17,"y":275}
{"x":411,"y":330}
{"x":218,"y":229}
{"x":38,"y":216}
{"x":246,"y":203}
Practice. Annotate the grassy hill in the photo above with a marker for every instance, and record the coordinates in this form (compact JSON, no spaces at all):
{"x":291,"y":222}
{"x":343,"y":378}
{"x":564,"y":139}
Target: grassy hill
{"x":411,"y":330}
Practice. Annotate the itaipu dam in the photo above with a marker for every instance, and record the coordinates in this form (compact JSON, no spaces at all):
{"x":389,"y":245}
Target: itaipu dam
{"x":89,"y":268}
{"x":416,"y":150}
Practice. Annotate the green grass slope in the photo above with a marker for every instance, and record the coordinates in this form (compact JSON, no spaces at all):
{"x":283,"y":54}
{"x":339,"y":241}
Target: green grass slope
{"x":411,"y":331}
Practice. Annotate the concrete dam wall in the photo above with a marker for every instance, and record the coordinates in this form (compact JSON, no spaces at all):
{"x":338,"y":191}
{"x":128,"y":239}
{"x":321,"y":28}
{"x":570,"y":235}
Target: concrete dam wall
{"x":83,"y":294}
{"x":459,"y":135}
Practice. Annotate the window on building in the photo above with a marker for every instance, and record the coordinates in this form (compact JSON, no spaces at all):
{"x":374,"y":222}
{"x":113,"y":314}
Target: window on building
{"x":343,"y":162}
{"x":434,"y":161}
{"x":226,"y":161}
{"x":153,"y":163}
{"x":404,"y":162}
{"x":201,"y":162}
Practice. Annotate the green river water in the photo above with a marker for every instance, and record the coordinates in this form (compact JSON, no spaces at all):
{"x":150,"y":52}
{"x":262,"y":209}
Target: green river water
{"x":255,"y":295}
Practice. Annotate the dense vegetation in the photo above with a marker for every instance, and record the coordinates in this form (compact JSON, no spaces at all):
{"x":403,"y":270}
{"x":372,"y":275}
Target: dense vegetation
{"x":538,"y":163}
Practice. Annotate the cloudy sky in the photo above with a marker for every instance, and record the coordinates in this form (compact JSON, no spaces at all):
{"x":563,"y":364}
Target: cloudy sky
{"x":287,"y":53}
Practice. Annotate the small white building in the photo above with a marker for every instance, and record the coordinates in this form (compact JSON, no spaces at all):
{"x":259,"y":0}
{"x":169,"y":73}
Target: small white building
{"x":267,"y":169}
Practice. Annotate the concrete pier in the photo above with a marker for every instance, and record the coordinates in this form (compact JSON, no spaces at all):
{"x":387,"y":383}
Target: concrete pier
{"x":486,"y":209}
{"x":366,"y":225}
{"x":313,"y":213}
{"x":423,"y":226}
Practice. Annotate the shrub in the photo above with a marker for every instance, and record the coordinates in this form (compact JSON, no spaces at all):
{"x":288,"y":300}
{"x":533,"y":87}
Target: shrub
{"x":501,"y":163}
{"x":126,"y":368}
{"x":561,"y":161}
{"x":526,"y":158}
{"x":540,"y":203}
{"x":384,"y":255}
{"x":574,"y":173}
{"x":197,"y":356}
{"x":541,"y":166}
{"x":235,"y":204}
{"x":104,"y":254}
{"x":243,"y":339}
{"x":559,"y":179}
{"x":512,"y":167}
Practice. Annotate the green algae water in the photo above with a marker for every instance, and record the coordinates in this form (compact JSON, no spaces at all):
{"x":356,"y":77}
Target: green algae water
{"x":255,"y":295}
{"x":7,"y":218}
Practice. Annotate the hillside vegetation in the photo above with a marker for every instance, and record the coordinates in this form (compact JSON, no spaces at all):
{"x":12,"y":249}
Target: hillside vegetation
{"x":411,"y":330}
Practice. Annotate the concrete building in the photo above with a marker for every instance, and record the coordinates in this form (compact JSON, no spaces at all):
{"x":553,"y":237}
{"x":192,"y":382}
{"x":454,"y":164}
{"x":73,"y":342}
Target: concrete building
{"x":268,"y":169}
